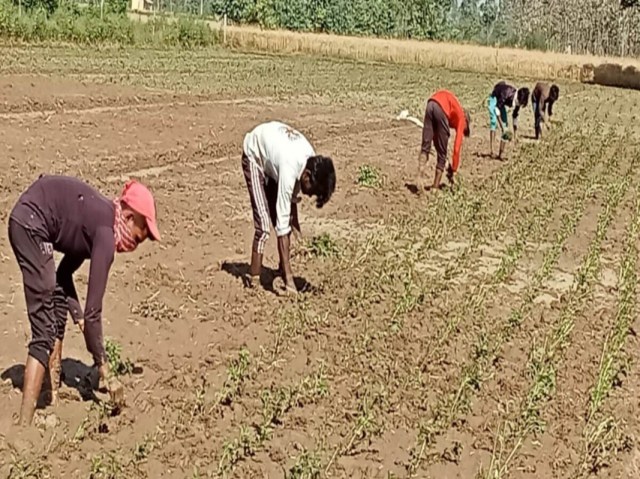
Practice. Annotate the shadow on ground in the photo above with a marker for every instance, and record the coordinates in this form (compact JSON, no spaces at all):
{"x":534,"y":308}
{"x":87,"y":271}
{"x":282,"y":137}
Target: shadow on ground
{"x":75,"y":374}
{"x":268,"y":276}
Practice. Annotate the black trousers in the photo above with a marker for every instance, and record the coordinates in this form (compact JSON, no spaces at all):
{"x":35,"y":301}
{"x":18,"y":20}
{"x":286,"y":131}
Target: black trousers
{"x":46,"y":303}
{"x":436,"y":130}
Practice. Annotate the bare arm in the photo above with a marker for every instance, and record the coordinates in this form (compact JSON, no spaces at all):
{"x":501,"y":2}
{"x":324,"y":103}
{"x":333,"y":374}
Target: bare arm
{"x":284,"y":250}
{"x":295,"y":221}
{"x":516,"y":113}
{"x":542,"y":107}
{"x":286,"y":210}
{"x":102,"y":256}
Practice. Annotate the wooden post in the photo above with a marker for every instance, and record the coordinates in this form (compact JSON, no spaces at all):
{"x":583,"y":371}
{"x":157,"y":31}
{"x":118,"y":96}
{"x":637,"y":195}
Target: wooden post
{"x":201,"y":7}
{"x":224,"y":29}
{"x":101,"y":9}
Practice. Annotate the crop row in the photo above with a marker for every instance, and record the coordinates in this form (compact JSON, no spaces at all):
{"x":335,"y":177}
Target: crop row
{"x":302,"y":315}
{"x":524,"y":229}
{"x":489,"y":343}
{"x":600,"y":437}
{"x":543,"y":360}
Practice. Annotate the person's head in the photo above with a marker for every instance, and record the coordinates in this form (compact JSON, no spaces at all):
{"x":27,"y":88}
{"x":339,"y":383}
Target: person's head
{"x":467,"y":128}
{"x":554,"y":94}
{"x":523,"y":96}
{"x":319,"y":179}
{"x":137,"y":217}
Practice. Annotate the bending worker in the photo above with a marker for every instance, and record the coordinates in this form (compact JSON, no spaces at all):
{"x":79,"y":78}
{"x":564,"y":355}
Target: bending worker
{"x":543,"y":98}
{"x":278,"y":163}
{"x":60,"y":213}
{"x":502,"y":97}
{"x":443,"y":112}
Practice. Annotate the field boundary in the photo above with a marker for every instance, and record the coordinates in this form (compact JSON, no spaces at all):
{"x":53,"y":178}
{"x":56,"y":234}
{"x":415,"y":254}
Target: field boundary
{"x":130,"y":106}
{"x":616,"y":72}
{"x":605,"y":71}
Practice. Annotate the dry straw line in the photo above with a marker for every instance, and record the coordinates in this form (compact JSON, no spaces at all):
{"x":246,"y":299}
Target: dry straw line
{"x":611,"y":71}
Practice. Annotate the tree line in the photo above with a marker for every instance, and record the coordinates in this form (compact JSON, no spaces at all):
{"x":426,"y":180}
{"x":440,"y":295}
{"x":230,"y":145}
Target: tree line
{"x":600,"y":27}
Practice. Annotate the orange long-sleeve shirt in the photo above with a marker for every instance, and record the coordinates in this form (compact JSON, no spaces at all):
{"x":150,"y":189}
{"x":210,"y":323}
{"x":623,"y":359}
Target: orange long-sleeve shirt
{"x":457,"y":120}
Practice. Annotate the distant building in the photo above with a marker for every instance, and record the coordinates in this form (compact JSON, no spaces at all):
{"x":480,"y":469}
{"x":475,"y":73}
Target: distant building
{"x":142,"y":5}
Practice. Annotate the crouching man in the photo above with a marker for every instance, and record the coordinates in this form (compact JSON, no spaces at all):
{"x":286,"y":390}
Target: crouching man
{"x":278,"y":163}
{"x":60,"y":213}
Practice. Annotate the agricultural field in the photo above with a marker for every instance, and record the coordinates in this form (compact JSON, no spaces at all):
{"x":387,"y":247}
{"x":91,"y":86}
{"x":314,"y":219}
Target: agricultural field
{"x":482,"y":332}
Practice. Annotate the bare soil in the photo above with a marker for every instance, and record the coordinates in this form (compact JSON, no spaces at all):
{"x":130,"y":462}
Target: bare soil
{"x":364,"y":374}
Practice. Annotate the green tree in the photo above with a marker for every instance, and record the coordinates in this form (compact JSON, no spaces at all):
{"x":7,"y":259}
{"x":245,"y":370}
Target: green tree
{"x":49,"y":6}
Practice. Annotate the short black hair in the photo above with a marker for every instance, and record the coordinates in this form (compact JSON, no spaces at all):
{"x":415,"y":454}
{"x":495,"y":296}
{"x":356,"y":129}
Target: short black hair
{"x":322,"y":176}
{"x":554,"y":92}
{"x":523,"y":96}
{"x":467,"y":117}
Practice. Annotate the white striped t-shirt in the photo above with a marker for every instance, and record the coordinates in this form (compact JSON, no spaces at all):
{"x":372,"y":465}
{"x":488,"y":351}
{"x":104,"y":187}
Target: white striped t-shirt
{"x":282,"y":153}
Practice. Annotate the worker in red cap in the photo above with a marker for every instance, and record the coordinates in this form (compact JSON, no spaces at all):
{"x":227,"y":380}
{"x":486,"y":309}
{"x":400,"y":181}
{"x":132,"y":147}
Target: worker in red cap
{"x":64,"y":214}
{"x":443,"y":113}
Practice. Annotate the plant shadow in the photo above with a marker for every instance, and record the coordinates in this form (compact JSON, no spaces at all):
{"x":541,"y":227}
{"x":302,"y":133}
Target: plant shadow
{"x":412,"y":188}
{"x":485,"y":156}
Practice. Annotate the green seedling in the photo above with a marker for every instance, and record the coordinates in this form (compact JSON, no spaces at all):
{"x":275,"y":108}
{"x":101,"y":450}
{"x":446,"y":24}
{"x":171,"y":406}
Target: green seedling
{"x":117,"y":364}
{"x":323,"y":246}
{"x":236,"y":374}
{"x":307,"y":466}
{"x":28,"y":468}
{"x":369,"y":177}
{"x":543,"y":360}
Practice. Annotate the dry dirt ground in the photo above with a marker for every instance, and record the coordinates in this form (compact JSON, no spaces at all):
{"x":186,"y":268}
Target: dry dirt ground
{"x":487,"y":331}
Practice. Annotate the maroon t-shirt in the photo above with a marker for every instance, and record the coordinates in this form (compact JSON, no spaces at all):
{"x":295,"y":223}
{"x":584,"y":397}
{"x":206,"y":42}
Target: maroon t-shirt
{"x":78,"y":221}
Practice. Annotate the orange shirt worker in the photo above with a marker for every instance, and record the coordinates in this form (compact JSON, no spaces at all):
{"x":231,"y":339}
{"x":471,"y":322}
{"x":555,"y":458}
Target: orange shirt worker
{"x":443,"y":113}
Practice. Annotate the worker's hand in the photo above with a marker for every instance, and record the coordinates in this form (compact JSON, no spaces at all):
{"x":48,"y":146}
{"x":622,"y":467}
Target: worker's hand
{"x":450,"y":174}
{"x":289,"y":284}
{"x":116,"y":391}
{"x":113,"y":386}
{"x":81,"y":325}
{"x":290,"y":288}
{"x":250,"y":281}
{"x":105,"y":376}
{"x":297,"y":234}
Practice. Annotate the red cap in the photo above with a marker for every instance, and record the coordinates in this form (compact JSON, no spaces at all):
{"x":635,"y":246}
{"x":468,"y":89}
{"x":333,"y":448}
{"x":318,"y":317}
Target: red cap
{"x":139,"y":198}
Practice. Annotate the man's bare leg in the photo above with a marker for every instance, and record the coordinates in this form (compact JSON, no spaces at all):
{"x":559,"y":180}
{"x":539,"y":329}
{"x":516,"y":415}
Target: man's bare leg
{"x":33,"y":377}
{"x":437,"y":179}
{"x":492,"y":136}
{"x":255,"y":268}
